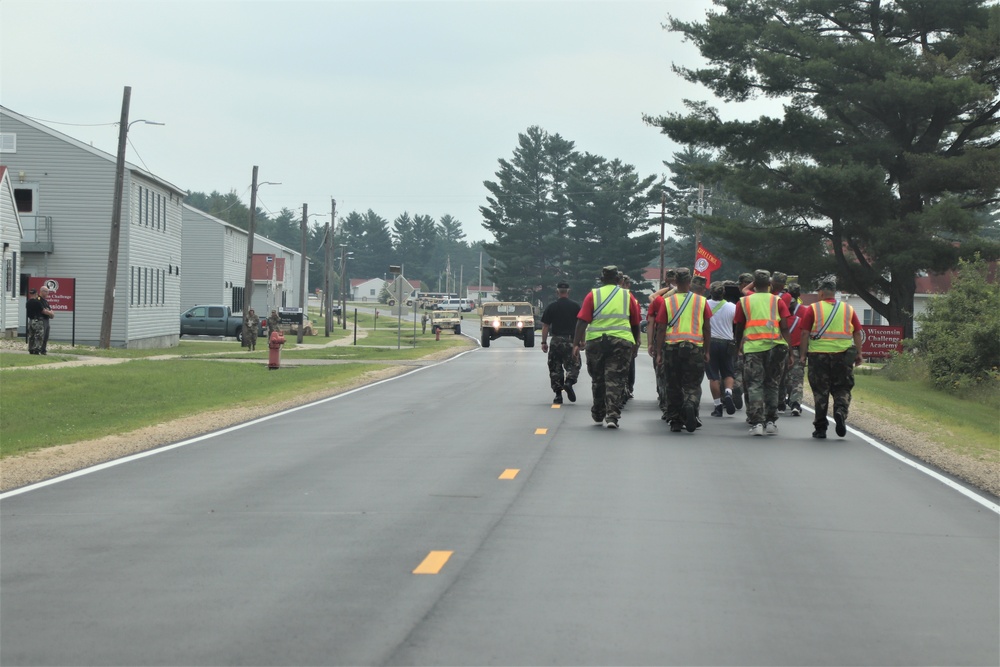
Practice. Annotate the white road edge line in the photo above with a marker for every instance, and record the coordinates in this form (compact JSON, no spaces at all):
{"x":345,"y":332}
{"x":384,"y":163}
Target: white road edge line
{"x":988,"y":504}
{"x":230,"y":429}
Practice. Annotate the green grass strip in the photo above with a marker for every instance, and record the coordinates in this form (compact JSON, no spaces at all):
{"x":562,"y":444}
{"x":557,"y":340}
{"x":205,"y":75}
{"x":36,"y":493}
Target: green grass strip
{"x":54,"y":407}
{"x":968,"y":427}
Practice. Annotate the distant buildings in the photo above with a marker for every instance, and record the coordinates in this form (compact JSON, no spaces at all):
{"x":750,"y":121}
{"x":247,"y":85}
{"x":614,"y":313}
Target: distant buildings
{"x":63,"y":191}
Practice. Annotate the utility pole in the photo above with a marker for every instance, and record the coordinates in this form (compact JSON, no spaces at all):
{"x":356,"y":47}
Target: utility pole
{"x":116,"y":224}
{"x":302,"y":274}
{"x":248,"y":280}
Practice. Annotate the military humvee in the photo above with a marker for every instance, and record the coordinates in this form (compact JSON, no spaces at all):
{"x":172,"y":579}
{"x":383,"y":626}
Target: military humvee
{"x":508,"y":318}
{"x":446,"y":319}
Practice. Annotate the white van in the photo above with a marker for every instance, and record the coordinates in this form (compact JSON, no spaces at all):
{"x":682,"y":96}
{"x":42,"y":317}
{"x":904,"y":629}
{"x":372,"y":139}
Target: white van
{"x":462,"y":305}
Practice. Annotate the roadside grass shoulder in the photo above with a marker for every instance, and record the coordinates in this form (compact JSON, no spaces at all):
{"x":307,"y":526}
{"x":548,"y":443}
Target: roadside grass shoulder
{"x":91,"y":402}
{"x":967,"y":426}
{"x":8,"y":360}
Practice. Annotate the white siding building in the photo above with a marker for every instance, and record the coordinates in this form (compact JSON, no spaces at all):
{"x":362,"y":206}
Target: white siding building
{"x":366,"y":290}
{"x":214,"y":266}
{"x":10,"y":239}
{"x":213,"y":269}
{"x":64,"y":191}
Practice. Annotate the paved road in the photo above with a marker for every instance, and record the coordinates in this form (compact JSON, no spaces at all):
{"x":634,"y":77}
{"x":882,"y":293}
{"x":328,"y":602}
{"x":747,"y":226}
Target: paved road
{"x":294,"y":541}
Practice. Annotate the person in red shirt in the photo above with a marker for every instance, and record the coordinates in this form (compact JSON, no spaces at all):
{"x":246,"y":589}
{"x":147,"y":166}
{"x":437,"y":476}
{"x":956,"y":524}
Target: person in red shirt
{"x":610,"y":344}
{"x":655,"y":306}
{"x":684,"y":352}
{"x":791,"y":387}
{"x":837,"y":350}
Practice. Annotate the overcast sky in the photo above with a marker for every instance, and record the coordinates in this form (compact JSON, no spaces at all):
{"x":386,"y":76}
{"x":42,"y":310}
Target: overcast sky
{"x":389,"y":106}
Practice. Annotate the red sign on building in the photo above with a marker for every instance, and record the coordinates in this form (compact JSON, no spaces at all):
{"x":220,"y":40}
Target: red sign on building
{"x":62,"y":292}
{"x":879,"y":341}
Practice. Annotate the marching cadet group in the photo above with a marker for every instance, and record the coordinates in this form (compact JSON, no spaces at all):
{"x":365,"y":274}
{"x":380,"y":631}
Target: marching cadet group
{"x":753,"y":339}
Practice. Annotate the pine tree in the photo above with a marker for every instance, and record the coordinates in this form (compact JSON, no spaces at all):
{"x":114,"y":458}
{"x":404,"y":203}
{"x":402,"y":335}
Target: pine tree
{"x":888,"y":145}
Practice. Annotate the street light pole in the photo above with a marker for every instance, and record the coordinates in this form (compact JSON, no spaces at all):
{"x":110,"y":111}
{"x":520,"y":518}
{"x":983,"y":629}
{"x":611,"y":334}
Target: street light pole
{"x":343,"y":283}
{"x":328,"y":256}
{"x":302,"y":274}
{"x":663,"y":225}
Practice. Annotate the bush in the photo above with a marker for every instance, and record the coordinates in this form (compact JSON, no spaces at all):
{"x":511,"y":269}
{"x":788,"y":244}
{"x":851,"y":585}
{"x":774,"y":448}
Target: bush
{"x":960,"y":331}
{"x":906,"y":367}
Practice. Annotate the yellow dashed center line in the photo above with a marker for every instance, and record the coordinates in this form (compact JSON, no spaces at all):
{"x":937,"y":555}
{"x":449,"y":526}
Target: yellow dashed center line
{"x":510,"y":473}
{"x":434,"y":562}
{"x":556,"y":406}
{"x":541,"y":431}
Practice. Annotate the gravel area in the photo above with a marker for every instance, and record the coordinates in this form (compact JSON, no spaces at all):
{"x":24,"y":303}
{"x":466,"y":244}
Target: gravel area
{"x":17,"y":471}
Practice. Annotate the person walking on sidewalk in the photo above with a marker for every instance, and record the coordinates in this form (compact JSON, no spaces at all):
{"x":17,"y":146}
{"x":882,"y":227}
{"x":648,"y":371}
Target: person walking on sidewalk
{"x":683,"y":342}
{"x":831,"y":341}
{"x":608,"y":328}
{"x":761,"y":324}
{"x":558,"y":326}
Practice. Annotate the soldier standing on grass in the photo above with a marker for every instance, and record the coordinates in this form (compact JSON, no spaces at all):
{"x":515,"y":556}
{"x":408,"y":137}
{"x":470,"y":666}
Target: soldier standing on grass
{"x":250,"y":335}
{"x":831,"y":341}
{"x":559,"y":324}
{"x":608,"y":327}
{"x":273,"y":323}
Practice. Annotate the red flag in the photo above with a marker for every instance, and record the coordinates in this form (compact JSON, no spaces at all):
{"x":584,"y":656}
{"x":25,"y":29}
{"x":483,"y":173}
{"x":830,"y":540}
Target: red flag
{"x":705,"y":262}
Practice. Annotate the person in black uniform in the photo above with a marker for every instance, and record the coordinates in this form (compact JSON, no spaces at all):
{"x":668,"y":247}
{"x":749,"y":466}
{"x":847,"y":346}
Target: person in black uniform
{"x":38,"y":312}
{"x":559,"y":324}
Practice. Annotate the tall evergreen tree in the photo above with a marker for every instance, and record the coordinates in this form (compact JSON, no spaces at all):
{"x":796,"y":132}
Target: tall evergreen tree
{"x":527,"y":235}
{"x":609,"y":206}
{"x":888,"y":145}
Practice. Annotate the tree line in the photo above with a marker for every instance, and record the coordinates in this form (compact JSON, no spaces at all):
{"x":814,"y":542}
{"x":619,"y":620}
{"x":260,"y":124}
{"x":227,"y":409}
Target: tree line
{"x":433,"y":251}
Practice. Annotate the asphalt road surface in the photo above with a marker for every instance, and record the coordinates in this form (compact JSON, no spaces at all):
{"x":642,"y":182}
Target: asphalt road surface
{"x":453,"y":516}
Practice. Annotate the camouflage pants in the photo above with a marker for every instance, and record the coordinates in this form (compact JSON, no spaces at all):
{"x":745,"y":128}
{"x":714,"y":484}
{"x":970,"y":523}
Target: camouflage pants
{"x":564,"y":370}
{"x":761,"y":377}
{"x":36,"y":335}
{"x":737,"y":369}
{"x":791,"y":383}
{"x":661,"y":384}
{"x":831,"y":375}
{"x":607,"y":363}
{"x":685,"y":365}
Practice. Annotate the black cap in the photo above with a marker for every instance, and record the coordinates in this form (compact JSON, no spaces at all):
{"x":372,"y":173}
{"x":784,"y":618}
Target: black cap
{"x":562,"y":285}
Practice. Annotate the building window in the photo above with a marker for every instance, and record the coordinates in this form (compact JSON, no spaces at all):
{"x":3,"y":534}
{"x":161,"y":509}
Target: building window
{"x":8,"y":142}
{"x":871,"y":317}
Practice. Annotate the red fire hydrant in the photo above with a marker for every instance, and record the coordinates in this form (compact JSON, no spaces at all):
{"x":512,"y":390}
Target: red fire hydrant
{"x":274,"y":350}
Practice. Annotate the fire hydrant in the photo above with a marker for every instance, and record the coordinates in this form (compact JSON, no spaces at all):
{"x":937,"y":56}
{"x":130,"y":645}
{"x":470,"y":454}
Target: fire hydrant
{"x":274,"y":350}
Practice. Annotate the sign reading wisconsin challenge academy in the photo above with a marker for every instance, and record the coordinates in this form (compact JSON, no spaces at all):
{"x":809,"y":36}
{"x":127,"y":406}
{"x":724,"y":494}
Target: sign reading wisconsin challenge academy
{"x":62,"y":292}
{"x":880,"y":341}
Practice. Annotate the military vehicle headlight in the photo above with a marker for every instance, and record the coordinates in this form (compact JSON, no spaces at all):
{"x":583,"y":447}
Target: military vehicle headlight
{"x":520,"y":324}
{"x":496,"y":323}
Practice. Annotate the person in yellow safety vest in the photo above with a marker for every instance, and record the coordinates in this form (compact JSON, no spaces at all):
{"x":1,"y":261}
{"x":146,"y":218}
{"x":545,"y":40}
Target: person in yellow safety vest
{"x":667,"y":288}
{"x":684,"y":339}
{"x":831,"y":341}
{"x":761,"y":324}
{"x":608,"y":327}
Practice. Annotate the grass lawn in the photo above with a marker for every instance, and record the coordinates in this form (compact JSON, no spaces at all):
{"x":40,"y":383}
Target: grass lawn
{"x":970,"y":427}
{"x":15,"y":360}
{"x":90,"y":402}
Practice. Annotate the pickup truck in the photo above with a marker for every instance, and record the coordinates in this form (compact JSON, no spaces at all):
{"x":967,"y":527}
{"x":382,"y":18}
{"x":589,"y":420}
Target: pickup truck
{"x":211,"y":320}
